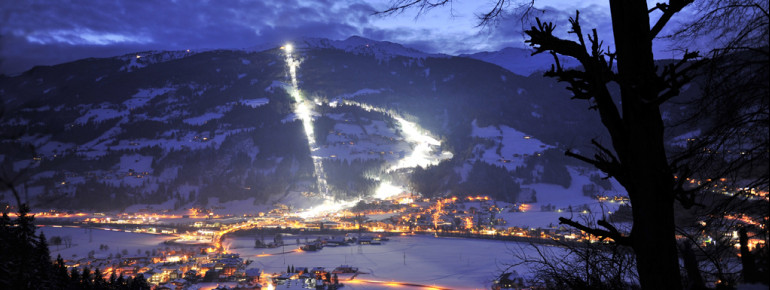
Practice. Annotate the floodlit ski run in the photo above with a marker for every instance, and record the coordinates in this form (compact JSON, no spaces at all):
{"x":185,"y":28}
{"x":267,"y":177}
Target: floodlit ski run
{"x":425,"y":152}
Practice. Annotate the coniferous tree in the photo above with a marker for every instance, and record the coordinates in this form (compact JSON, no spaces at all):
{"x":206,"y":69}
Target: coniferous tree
{"x":120,"y":283}
{"x":139,"y":283}
{"x":42,"y":263}
{"x":85,"y":279}
{"x":99,"y":282}
{"x":113,"y":279}
{"x":26,"y":262}
{"x":75,"y":281}
{"x":60,"y":274}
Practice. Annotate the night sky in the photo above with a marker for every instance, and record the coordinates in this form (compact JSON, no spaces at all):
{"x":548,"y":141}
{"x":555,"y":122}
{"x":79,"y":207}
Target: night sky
{"x":51,"y":32}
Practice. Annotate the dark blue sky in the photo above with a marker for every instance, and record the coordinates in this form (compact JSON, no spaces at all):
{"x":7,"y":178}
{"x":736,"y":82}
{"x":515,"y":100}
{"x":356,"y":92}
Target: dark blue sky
{"x":50,"y":32}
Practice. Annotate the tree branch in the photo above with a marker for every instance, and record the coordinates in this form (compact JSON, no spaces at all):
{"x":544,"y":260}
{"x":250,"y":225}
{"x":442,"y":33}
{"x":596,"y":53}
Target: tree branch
{"x":676,"y":75}
{"x":669,"y":10}
{"x":611,"y":167}
{"x":591,"y":83}
{"x":422,"y":5}
{"x":611,"y":231}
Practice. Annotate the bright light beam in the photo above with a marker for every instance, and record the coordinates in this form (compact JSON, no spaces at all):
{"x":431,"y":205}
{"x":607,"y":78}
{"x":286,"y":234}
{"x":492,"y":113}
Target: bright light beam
{"x":424,"y":153}
{"x":304,"y":111}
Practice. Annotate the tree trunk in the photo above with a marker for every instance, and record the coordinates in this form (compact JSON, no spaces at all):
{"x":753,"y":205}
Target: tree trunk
{"x":641,"y":150}
{"x":747,"y":259}
{"x":694,"y":279}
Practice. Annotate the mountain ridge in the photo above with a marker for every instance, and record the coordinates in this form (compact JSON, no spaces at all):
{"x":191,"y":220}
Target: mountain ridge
{"x":185,"y":127}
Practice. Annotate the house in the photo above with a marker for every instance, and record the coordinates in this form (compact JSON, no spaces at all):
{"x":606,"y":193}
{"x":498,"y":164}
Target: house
{"x":286,"y":276}
{"x":175,"y":274}
{"x":318,"y":272}
{"x":344,"y":269}
{"x":508,"y":280}
{"x":335,"y":241}
{"x":307,"y":278}
{"x":190,"y":274}
{"x":155,"y":277}
{"x":368,"y":240}
{"x":253,"y":274}
{"x":313,"y":246}
{"x":178,"y":284}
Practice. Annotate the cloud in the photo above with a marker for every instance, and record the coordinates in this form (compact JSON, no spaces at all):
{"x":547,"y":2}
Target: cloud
{"x":50,"y":32}
{"x":82,"y":36}
{"x":455,"y":30}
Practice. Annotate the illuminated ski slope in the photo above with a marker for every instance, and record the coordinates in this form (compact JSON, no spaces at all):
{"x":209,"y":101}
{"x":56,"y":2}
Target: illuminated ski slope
{"x":304,"y":111}
{"x":424,"y":152}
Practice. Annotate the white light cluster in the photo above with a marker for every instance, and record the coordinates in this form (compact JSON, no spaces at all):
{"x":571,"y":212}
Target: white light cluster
{"x":327,"y":207}
{"x":304,"y":111}
{"x":424,"y":153}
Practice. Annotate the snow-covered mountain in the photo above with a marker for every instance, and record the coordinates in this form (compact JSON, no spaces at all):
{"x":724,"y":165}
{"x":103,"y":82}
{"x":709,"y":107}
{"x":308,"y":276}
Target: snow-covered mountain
{"x":382,"y":50}
{"x":184,"y":127}
{"x":517,"y":60}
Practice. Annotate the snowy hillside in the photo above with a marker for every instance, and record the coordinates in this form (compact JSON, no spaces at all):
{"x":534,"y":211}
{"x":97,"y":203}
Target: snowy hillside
{"x":180,"y":129}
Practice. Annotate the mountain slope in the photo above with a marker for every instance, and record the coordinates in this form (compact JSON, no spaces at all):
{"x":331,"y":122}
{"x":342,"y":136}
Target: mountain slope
{"x":189,"y":126}
{"x":517,"y":60}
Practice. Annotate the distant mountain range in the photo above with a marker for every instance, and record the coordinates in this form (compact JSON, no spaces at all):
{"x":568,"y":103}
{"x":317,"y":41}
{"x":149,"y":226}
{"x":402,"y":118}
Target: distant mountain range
{"x":517,"y":60}
{"x":184,"y":127}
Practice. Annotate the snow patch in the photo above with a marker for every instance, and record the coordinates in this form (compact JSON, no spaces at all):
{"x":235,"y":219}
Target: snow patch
{"x":99,"y":115}
{"x":255,"y":102}
{"x":273,"y":85}
{"x":203,"y":119}
{"x":513,"y":145}
{"x":143,"y":59}
{"x":682,"y":140}
{"x":141,"y":98}
{"x":361,"y":92}
{"x":134,"y":162}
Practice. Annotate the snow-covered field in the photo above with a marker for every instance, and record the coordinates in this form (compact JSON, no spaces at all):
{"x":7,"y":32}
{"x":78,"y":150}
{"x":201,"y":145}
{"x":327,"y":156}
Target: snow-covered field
{"x":420,"y":260}
{"x":563,"y":199}
{"x":454,"y":263}
{"x":84,"y":242}
{"x":424,"y":260}
{"x":514,"y":145}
